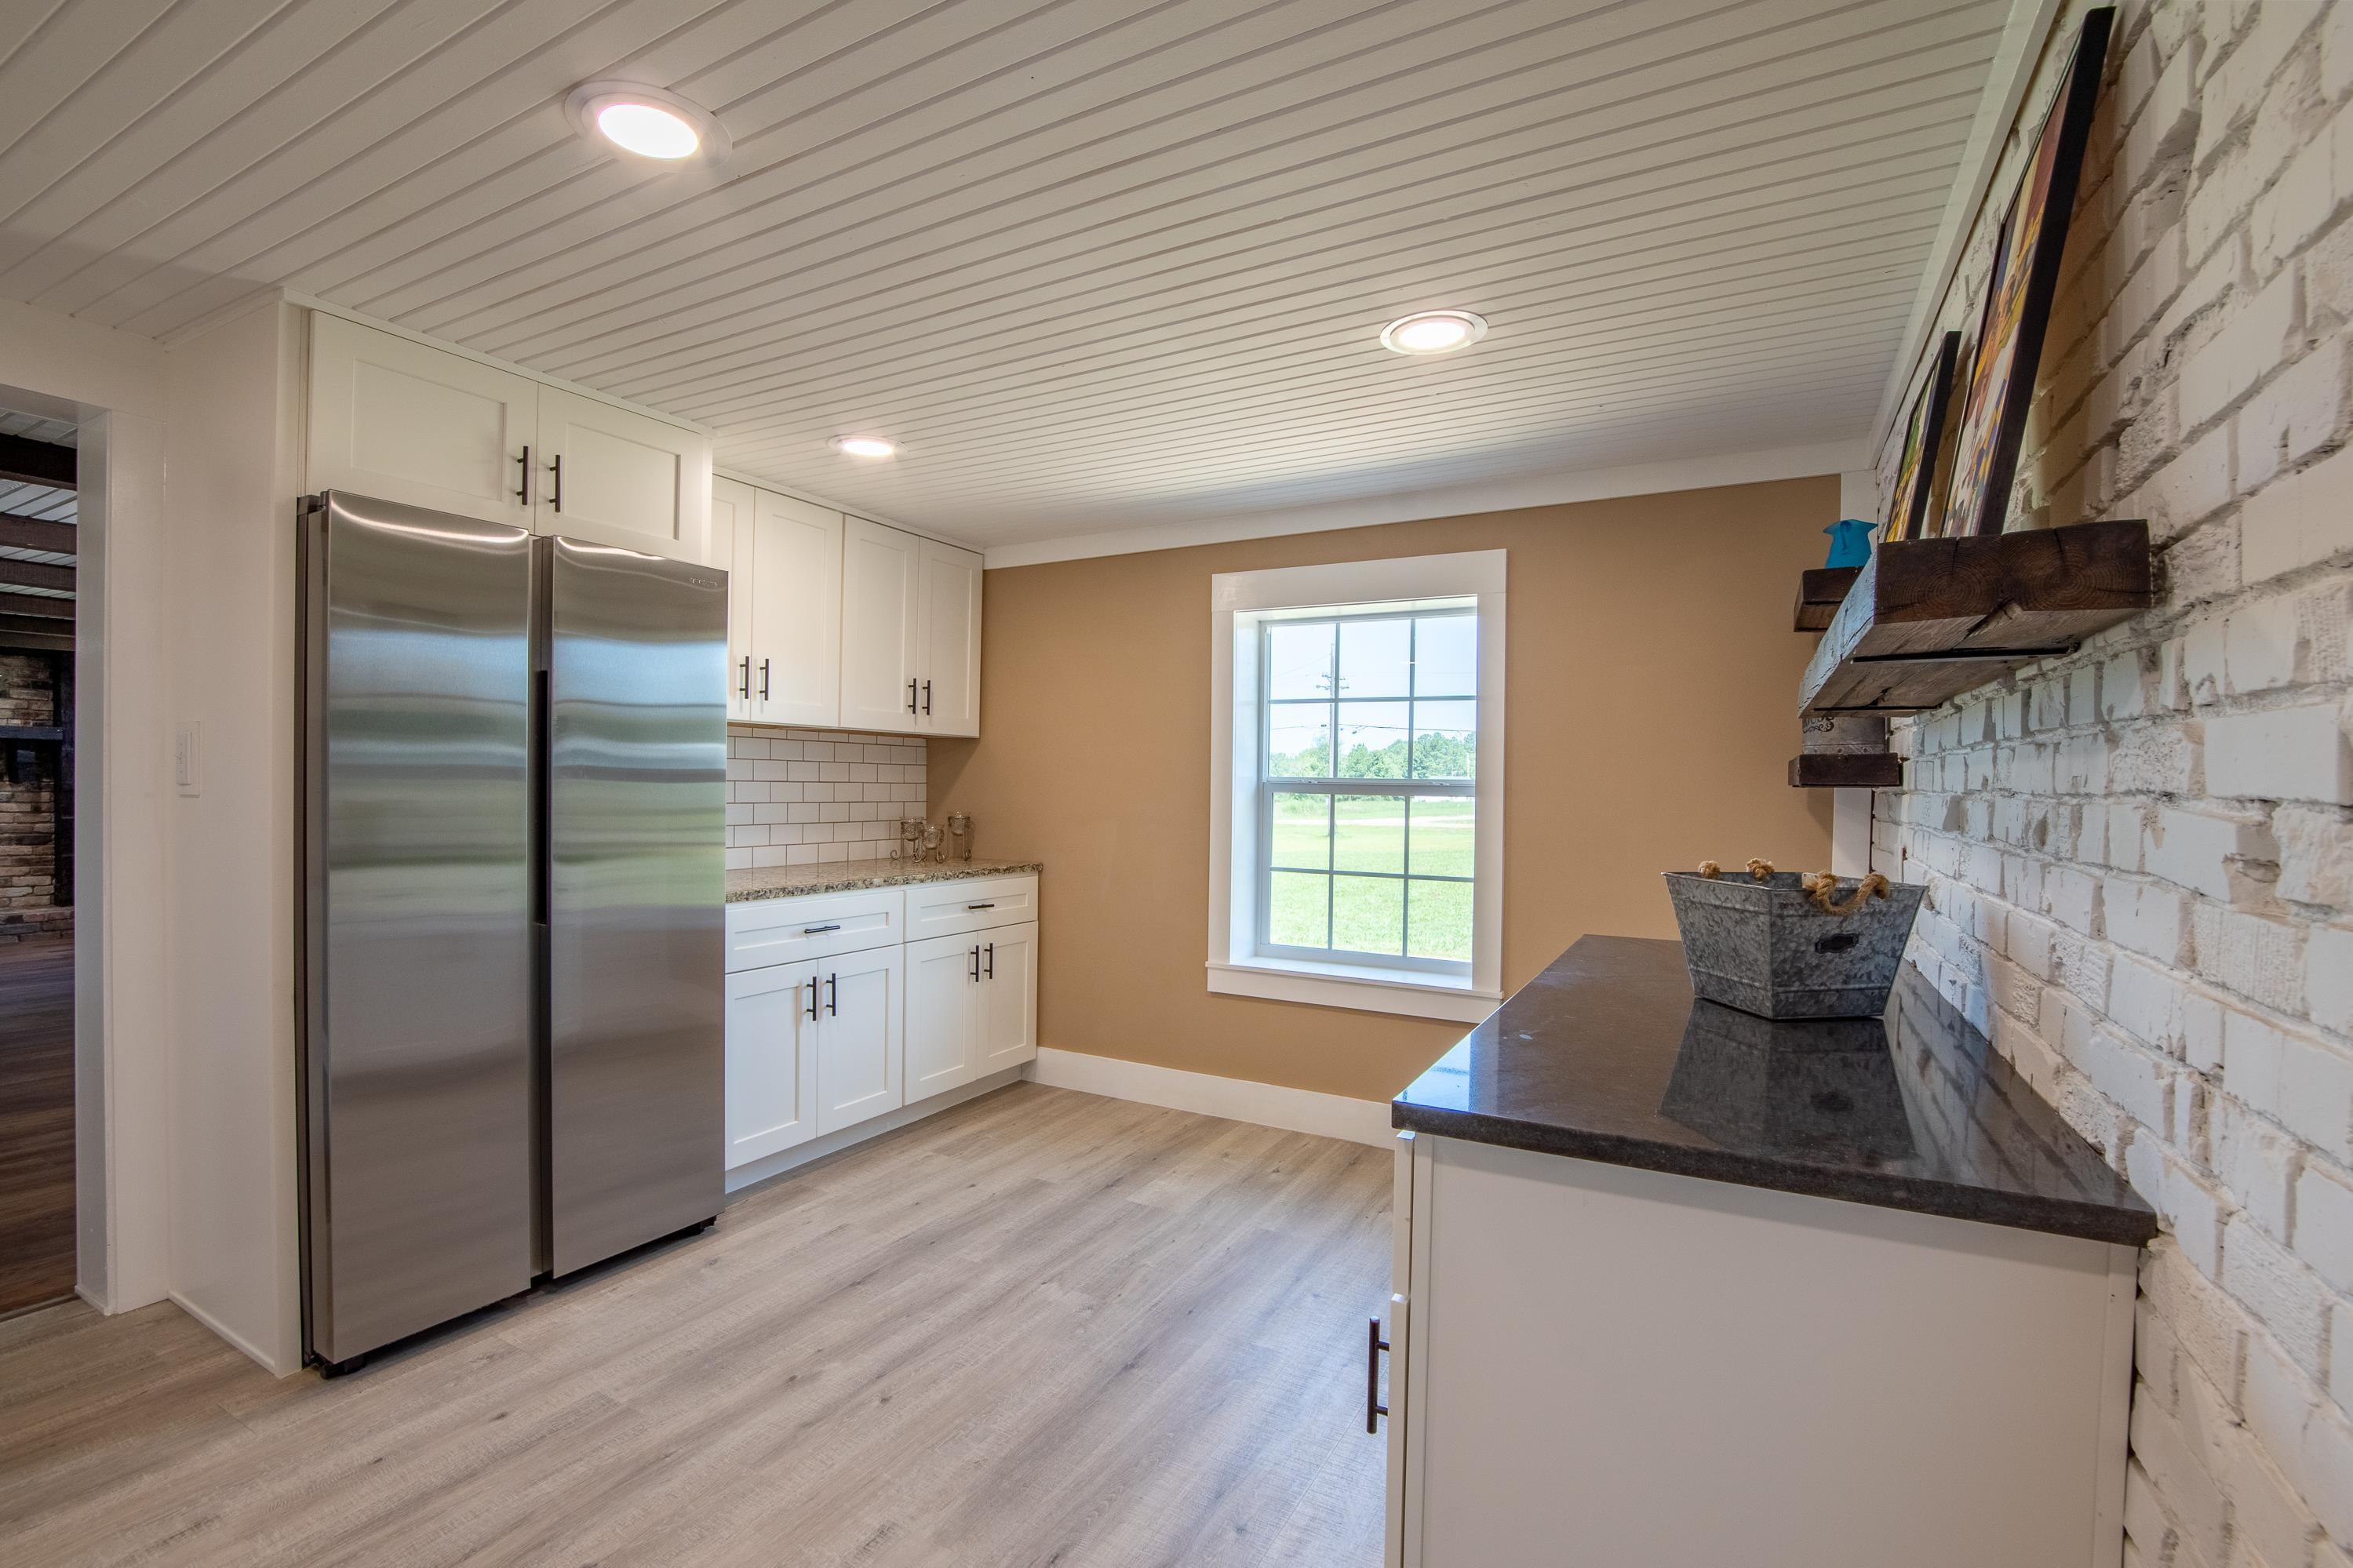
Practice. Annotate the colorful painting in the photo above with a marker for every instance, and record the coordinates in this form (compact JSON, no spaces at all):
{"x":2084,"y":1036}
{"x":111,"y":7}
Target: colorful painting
{"x":2017,"y":296}
{"x":1909,"y":516}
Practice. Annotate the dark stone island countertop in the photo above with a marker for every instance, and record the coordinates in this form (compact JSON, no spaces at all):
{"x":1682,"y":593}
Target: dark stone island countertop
{"x":1607,"y":1056}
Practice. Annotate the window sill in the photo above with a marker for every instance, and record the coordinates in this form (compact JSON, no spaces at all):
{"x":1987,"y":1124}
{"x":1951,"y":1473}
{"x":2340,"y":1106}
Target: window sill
{"x":1408,"y":991}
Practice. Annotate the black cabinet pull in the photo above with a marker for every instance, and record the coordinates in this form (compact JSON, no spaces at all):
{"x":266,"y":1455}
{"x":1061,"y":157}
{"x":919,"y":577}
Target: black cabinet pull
{"x":992,"y":961}
{"x":812,"y":931}
{"x":745,"y":690}
{"x":812,"y":999}
{"x":980,"y":906}
{"x":763,"y":681}
{"x":557,"y":467}
{"x":523,"y":493}
{"x":976,"y":962}
{"x":1374,"y":1408}
{"x":927,"y":699}
{"x":911,"y":694}
{"x":832,"y":994}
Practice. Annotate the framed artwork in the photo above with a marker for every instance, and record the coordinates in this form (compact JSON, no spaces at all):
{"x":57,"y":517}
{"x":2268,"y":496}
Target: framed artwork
{"x":1908,"y":515}
{"x":2018,"y":295}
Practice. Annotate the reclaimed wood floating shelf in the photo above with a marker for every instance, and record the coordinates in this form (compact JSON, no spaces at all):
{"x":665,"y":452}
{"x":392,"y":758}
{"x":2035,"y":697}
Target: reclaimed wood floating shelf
{"x":1819,"y":593}
{"x":1846,"y":770}
{"x":1930,"y":618}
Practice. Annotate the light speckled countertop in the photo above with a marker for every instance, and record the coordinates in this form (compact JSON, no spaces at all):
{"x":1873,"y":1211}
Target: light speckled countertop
{"x":850,"y":875}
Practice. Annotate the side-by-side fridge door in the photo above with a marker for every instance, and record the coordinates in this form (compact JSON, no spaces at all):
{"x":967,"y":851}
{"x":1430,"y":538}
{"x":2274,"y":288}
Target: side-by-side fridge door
{"x":416,"y":917}
{"x":634,"y":649}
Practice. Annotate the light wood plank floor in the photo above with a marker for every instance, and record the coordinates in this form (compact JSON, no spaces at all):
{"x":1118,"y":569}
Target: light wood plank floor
{"x":1042,"y":1327}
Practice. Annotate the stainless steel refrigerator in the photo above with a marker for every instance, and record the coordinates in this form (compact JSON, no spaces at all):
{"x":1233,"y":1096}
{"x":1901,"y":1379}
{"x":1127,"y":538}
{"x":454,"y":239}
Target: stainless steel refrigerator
{"x":513,"y":754}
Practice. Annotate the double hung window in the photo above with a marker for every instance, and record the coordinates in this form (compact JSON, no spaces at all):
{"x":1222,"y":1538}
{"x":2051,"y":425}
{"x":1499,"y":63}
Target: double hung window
{"x":1357,"y":852}
{"x":1368,"y":797}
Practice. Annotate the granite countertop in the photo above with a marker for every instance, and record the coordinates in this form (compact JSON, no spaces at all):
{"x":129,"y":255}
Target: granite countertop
{"x":850,"y":875}
{"x":1607,"y":1056}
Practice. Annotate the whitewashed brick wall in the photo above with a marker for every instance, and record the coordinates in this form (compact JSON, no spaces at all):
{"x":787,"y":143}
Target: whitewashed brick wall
{"x":2140,"y":856}
{"x":798,"y":796}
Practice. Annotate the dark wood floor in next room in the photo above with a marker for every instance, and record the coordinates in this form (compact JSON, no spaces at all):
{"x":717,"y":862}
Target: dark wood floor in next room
{"x":1042,"y":1327}
{"x":37,"y":1144}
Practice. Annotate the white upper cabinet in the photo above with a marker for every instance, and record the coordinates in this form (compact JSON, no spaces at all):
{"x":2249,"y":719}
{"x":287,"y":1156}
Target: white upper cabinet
{"x":734,"y":544}
{"x":611,"y":476}
{"x":411,"y":422}
{"x":880,"y":568}
{"x":795,"y":613}
{"x":405,"y":421}
{"x":834,"y":622}
{"x":947,"y":643}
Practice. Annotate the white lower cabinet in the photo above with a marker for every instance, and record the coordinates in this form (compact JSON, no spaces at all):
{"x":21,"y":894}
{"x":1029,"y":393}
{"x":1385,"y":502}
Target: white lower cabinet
{"x":854,"y":1023}
{"x":860,"y":1029}
{"x":771,"y":1059}
{"x":1595,"y":1363}
{"x":942,"y":1014}
{"x":972,"y":1006}
{"x":1008,"y":997}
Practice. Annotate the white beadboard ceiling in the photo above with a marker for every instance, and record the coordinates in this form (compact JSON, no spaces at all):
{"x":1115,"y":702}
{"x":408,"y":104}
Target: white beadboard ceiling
{"x":1094,"y":264}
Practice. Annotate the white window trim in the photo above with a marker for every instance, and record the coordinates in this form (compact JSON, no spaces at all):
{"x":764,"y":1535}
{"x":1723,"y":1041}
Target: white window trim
{"x":1238,"y":600}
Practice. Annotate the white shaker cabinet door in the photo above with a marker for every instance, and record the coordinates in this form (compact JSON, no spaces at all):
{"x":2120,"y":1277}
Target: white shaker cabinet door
{"x":409,"y":423}
{"x":860,"y":1034}
{"x":734,"y":550}
{"x":1008,"y":997}
{"x":610,"y":476}
{"x":797,"y":612}
{"x":948,"y":660}
{"x":880,"y":617}
{"x":943,"y":1014}
{"x":770,"y":1060}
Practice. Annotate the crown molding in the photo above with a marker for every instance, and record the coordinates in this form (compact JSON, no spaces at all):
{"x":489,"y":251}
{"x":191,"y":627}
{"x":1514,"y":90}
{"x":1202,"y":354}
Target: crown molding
{"x":1461,"y":500}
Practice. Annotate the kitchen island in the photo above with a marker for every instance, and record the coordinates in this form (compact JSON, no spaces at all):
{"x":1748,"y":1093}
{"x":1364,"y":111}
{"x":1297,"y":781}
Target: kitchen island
{"x":1679,"y":1286}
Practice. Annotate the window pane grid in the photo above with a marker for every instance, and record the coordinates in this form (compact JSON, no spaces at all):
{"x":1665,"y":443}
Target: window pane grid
{"x":1340,"y":678}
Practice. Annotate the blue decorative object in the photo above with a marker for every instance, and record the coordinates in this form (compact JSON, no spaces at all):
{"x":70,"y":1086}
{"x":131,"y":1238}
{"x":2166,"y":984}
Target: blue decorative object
{"x":1850,"y":542}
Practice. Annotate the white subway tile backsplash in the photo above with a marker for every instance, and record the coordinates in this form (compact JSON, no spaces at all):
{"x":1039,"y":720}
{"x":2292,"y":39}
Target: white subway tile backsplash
{"x":794,"y":796}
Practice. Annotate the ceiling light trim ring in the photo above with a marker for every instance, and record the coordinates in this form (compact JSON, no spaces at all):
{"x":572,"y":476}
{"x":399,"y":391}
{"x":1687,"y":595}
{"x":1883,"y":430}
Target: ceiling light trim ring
{"x":1396,"y":336}
{"x":584,"y":103}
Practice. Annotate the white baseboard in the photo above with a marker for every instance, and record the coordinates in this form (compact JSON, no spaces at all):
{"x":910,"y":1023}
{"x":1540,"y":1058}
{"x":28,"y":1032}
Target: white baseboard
{"x":235,"y":1341}
{"x":745,"y":1177}
{"x":1235,"y":1098}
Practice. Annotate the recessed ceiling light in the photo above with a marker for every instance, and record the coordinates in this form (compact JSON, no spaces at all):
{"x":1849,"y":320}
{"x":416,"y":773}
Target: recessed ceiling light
{"x":863,"y":446}
{"x":649,"y":123}
{"x":1433,"y":331}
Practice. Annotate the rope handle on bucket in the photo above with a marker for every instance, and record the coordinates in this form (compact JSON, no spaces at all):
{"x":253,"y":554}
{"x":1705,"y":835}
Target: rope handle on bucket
{"x":1822,"y":887}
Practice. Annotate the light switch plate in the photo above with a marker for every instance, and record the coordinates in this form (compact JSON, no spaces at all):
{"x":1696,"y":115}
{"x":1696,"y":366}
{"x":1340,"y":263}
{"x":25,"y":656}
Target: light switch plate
{"x":185,"y":758}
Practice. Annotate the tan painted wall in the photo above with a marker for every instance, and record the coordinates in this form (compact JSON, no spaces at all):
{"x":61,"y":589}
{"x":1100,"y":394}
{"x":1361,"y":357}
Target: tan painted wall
{"x":1652,"y":710}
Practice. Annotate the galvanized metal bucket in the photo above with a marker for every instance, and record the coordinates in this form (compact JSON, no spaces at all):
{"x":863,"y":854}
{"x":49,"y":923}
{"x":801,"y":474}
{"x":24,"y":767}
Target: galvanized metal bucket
{"x":1767,"y":948}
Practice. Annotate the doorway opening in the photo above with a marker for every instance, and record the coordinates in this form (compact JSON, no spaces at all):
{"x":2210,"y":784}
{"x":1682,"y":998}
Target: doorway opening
{"x":38,"y":556}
